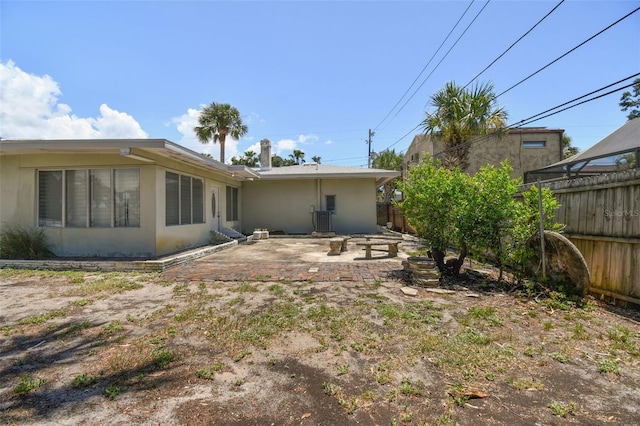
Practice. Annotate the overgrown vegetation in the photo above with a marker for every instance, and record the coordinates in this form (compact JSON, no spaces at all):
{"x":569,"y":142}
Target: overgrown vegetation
{"x":24,"y":243}
{"x":478,"y":215}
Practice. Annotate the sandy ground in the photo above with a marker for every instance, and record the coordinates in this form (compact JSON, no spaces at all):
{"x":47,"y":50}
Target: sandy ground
{"x":131,"y":348}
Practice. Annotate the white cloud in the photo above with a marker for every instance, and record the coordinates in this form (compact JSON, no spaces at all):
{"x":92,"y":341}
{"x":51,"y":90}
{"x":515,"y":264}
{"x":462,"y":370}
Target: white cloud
{"x":285,"y":145}
{"x":305,"y":139}
{"x":29,"y":109}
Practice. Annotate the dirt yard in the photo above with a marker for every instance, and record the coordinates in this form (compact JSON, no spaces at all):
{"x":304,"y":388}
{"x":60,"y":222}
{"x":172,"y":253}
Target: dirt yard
{"x":243,"y":338}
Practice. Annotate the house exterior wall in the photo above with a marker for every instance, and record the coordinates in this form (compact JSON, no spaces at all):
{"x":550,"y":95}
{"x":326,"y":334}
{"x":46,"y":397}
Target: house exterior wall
{"x":173,"y":238}
{"x":286,"y":205}
{"x":19,"y":206}
{"x":493,"y":150}
{"x":153,"y":238}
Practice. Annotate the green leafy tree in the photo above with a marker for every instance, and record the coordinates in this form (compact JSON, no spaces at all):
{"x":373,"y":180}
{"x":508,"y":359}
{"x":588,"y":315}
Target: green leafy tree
{"x":316,"y":159}
{"x":297,"y":156}
{"x":216,"y":122}
{"x":448,"y":208}
{"x":460,"y":116}
{"x":434,"y":200}
{"x":490,"y":211}
{"x":630,"y":101}
{"x":278,"y":161}
{"x":388,"y":160}
{"x":249,"y":159}
{"x":626,"y":161}
{"x":526,"y":225}
{"x":567,"y":149}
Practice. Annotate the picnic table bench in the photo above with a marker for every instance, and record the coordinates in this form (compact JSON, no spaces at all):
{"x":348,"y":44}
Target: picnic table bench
{"x":337,"y":245}
{"x":392,"y":247}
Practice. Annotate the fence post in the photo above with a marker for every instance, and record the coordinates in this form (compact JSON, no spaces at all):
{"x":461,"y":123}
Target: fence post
{"x":541,"y":211}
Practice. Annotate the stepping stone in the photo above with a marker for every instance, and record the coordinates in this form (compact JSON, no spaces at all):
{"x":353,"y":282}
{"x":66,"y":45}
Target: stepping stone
{"x":409,"y":291}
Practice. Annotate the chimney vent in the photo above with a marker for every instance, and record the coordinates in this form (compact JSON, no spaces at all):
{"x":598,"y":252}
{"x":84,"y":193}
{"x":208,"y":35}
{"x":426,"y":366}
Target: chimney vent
{"x":265,"y":154}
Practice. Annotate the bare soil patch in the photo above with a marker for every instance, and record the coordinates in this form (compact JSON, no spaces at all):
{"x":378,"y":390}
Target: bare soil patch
{"x":180,"y":348}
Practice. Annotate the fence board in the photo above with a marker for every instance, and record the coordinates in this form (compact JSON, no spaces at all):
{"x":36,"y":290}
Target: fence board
{"x":590,"y":216}
{"x":601,"y":199}
{"x":601,"y":215}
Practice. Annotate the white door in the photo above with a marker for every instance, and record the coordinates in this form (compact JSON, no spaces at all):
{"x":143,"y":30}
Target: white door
{"x":214,"y":206}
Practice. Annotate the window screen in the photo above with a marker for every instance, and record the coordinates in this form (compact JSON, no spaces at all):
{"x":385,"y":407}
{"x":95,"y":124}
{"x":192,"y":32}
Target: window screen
{"x":197,"y":190}
{"x":76,"y":198}
{"x":232,"y":203}
{"x":331,"y":203}
{"x":172,"y":197}
{"x":126,"y":197}
{"x":50,"y":198}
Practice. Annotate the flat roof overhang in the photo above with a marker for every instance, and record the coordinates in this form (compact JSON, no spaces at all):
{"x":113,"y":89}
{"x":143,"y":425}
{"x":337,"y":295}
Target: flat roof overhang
{"x":132,"y":148}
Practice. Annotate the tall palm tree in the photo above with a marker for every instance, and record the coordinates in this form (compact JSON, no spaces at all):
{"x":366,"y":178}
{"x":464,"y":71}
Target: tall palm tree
{"x":388,"y":160}
{"x":249,"y":159}
{"x":216,"y":122}
{"x":316,"y":159}
{"x":462,"y":115}
{"x":297,"y":156}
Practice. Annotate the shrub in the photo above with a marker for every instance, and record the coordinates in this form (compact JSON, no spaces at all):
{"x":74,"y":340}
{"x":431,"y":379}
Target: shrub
{"x":526,"y":226}
{"x":19,"y":242}
{"x":449,"y":208}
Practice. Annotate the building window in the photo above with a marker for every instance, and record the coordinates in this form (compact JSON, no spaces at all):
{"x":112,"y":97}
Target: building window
{"x":232,"y":203}
{"x":100,"y":198}
{"x":197,"y":190}
{"x":126,"y":200}
{"x":184,"y":200}
{"x":50,"y":198}
{"x":172,"y":198}
{"x":534,"y":144}
{"x":91,"y":198}
{"x":331,"y":203}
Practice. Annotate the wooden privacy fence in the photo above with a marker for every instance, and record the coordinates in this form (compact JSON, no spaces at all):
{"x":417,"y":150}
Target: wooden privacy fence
{"x":387,"y":212}
{"x":602,"y":219}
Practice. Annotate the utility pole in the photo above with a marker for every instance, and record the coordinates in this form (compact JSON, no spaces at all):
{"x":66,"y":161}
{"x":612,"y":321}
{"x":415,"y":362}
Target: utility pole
{"x":371,"y":134}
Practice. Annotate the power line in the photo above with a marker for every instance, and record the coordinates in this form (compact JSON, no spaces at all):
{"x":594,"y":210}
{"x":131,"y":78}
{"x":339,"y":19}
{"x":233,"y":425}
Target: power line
{"x":579,"y":103}
{"x":568,"y":52}
{"x":425,"y":67}
{"x":584,"y":96}
{"x":405,"y":135}
{"x":445,"y":56}
{"x":541,"y":115}
{"x":513,"y":44}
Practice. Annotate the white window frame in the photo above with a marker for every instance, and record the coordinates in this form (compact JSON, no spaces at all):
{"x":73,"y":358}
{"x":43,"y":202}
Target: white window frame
{"x":185,"y":199}
{"x":65,"y":203}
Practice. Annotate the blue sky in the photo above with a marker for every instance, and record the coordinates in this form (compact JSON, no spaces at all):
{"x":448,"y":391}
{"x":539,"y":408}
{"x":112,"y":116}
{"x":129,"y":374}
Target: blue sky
{"x":314,"y":76}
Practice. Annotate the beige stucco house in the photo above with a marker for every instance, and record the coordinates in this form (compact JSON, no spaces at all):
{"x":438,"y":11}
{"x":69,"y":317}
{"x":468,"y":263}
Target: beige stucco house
{"x":526,"y":149}
{"x":146,"y":198}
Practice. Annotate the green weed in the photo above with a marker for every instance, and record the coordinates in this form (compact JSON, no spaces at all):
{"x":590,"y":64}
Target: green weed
{"x":113,"y":327}
{"x":407,"y":387}
{"x":27,"y":385}
{"x":114,"y":390}
{"x":560,"y":357}
{"x":562,"y":410}
{"x":343,"y":369}
{"x":162,"y":357}
{"x":42,"y":318}
{"x":609,"y":366}
{"x":84,"y":380}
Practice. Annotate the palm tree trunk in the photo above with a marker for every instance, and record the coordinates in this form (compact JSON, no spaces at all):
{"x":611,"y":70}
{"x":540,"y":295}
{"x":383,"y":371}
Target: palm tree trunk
{"x":223,"y":137}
